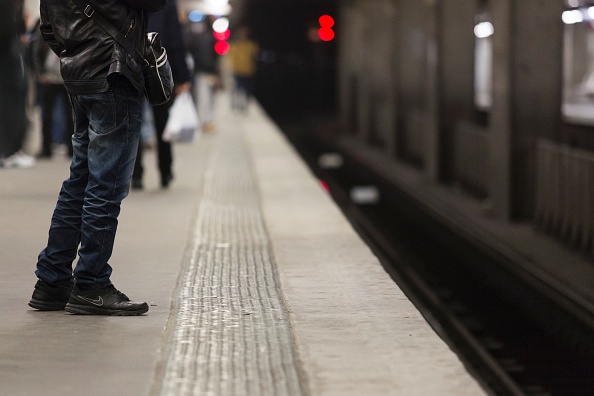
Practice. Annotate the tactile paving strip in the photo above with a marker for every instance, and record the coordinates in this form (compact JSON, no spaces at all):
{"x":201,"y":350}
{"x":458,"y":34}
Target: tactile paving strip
{"x":231,"y":333}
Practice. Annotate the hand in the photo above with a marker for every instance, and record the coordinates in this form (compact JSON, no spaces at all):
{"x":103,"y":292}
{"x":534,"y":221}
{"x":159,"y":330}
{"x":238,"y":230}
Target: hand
{"x":180,"y":89}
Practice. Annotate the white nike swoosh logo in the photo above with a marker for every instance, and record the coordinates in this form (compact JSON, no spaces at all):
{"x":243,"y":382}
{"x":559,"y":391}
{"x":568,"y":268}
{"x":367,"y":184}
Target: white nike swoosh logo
{"x":98,"y":302}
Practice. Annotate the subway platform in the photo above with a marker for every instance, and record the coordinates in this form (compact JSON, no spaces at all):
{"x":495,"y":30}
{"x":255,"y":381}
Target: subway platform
{"x":257,"y":285}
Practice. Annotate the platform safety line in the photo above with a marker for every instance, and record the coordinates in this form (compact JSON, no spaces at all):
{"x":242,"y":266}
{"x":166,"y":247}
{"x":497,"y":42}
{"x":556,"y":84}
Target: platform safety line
{"x":230,"y":333}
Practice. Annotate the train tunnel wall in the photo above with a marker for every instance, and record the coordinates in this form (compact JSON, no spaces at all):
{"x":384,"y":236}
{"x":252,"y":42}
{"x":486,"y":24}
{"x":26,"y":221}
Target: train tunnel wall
{"x":407,"y":85}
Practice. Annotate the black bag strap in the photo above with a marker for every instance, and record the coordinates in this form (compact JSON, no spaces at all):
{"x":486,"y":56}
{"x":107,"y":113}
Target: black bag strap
{"x":112,"y":31}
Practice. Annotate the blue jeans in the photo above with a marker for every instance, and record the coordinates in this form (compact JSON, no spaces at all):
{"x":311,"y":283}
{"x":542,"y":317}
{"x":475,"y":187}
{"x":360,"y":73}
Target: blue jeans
{"x":105,"y":141}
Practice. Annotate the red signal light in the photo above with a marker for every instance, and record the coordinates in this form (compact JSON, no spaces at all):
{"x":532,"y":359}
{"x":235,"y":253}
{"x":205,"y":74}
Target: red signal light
{"x":326,"y":21}
{"x":221,"y":47}
{"x":222,"y":36}
{"x":325,"y":32}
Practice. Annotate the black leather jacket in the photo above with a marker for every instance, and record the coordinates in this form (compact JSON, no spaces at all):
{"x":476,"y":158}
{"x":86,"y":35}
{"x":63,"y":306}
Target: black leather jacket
{"x":88,"y":55}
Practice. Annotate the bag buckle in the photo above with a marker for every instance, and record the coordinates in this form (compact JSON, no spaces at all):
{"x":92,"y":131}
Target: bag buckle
{"x":89,"y":11}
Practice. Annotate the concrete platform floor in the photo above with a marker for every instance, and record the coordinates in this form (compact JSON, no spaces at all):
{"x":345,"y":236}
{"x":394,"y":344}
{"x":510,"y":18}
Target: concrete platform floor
{"x":354,"y":330}
{"x":52,"y":353}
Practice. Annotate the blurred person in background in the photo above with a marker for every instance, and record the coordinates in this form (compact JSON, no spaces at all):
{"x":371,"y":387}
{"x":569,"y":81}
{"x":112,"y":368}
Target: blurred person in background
{"x":13,"y":87}
{"x":167,"y":24}
{"x":207,"y":76}
{"x":106,"y":93}
{"x":243,"y":53}
{"x":46,"y":66}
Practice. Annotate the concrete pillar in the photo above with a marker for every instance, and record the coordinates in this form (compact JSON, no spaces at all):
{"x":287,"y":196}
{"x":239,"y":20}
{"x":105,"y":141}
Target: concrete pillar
{"x":382,"y":61}
{"x":500,"y":127}
{"x":411,"y":44}
{"x":527,"y":78}
{"x":433,"y":138}
{"x":351,"y":66}
{"x":412,"y":84}
{"x":456,"y":68}
{"x":367,"y":99}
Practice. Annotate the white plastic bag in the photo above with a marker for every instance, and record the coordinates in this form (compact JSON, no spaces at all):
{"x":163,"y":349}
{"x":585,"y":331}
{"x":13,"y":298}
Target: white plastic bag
{"x":183,"y":122}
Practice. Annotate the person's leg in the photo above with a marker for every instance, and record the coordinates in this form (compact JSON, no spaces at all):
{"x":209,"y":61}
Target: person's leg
{"x":204,"y":99}
{"x":102,"y":166}
{"x":212,"y":90}
{"x":54,"y":265}
{"x":13,"y":92}
{"x":243,"y":92}
{"x":249,"y":88}
{"x":235,"y":93}
{"x":114,"y":132}
{"x":164,"y":150}
{"x":68,"y":117}
{"x":138,"y":169}
{"x":48,"y":102}
{"x":146,"y":135}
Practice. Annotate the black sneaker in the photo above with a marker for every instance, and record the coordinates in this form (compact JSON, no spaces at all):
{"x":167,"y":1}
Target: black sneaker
{"x":105,"y":301}
{"x":166,"y":180}
{"x":47,"y":297}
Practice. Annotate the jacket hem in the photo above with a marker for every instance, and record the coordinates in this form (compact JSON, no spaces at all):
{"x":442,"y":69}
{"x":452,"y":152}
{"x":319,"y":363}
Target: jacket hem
{"x":86,"y":86}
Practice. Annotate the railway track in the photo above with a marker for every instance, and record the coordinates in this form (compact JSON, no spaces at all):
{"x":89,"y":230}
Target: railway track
{"x":516,"y":338}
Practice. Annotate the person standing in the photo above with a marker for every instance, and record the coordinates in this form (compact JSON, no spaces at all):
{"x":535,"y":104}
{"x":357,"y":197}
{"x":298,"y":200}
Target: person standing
{"x":201,"y":44}
{"x":104,"y":85}
{"x":13,"y":87}
{"x":243,"y":52}
{"x":47,"y":69}
{"x":166,"y":23}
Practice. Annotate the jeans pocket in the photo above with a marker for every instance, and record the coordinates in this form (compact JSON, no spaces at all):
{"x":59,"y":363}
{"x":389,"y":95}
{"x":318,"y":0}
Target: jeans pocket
{"x":102,"y":112}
